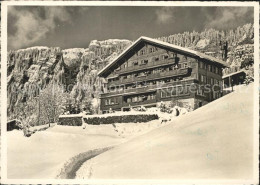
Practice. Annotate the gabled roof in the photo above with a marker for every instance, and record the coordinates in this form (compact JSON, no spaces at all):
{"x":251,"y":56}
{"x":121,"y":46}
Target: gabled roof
{"x":164,"y":44}
{"x":234,"y":73}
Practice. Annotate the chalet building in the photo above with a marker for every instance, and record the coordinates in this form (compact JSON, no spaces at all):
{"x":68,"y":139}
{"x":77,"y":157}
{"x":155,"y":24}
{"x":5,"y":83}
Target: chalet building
{"x":151,"y":71}
{"x":235,"y":78}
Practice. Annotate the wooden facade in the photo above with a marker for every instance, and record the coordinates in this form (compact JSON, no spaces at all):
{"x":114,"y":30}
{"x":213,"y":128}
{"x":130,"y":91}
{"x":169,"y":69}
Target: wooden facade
{"x":233,"y":79}
{"x":151,"y":71}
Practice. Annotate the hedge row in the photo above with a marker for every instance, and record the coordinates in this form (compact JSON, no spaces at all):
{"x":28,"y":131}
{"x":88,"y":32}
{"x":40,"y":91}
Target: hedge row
{"x":120,"y":119}
{"x":70,"y":121}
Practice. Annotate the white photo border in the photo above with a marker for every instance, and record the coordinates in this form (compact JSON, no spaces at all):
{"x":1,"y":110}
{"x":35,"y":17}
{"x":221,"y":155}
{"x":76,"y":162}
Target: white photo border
{"x":5,"y":4}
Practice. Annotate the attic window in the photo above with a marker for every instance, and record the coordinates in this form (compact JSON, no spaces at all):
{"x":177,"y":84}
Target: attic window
{"x":152,"y":49}
{"x":142,"y":52}
{"x":165,"y":56}
{"x":135,"y":63}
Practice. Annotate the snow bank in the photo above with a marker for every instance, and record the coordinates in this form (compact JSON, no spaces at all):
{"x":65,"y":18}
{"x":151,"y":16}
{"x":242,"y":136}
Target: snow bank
{"x":212,"y":142}
{"x":46,"y":154}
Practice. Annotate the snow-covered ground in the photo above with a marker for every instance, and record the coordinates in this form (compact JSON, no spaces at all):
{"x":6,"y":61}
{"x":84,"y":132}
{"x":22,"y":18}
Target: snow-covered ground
{"x":44,"y":154}
{"x":212,"y":142}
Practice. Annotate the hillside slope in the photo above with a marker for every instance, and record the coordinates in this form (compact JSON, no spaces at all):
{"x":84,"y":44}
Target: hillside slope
{"x":212,"y":142}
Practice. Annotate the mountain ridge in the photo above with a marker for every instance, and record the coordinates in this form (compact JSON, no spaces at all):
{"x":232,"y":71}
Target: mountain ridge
{"x":41,"y":65}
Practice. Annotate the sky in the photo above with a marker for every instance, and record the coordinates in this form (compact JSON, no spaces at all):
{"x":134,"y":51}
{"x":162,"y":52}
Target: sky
{"x":75,"y":27}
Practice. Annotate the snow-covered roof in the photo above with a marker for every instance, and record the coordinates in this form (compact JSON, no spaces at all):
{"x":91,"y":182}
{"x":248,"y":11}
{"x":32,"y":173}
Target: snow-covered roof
{"x":165,"y":44}
{"x":231,"y":74}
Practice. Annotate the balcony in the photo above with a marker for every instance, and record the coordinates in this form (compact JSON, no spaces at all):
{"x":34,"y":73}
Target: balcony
{"x":146,"y":66}
{"x":149,"y":88}
{"x":131,"y":91}
{"x":125,"y":104}
{"x":178,"y":72}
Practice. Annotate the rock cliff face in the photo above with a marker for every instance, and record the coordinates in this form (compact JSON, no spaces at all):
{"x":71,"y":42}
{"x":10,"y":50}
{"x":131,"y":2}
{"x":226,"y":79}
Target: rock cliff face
{"x":32,"y":69}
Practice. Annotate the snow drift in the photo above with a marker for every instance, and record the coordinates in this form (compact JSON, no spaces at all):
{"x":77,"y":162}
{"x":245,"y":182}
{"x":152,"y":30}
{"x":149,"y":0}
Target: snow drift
{"x":213,"y":142}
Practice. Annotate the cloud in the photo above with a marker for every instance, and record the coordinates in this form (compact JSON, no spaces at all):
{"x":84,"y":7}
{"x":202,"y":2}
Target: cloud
{"x":228,"y":17}
{"x":31,"y":24}
{"x":164,"y":14}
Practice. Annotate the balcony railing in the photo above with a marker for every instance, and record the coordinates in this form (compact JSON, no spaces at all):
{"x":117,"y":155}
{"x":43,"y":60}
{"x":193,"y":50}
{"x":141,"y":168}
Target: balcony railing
{"x":147,"y":88}
{"x":125,"y":104}
{"x":132,"y":90}
{"x":172,"y":73}
{"x":145,"y":66}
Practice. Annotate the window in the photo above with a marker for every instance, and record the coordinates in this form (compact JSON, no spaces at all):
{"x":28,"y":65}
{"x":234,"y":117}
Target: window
{"x":152,"y":49}
{"x":211,"y":81}
{"x":217,"y":70}
{"x":203,"y":78}
{"x":128,"y":100}
{"x":135,"y":63}
{"x":209,"y":68}
{"x":143,"y":62}
{"x":135,"y":99}
{"x":185,"y":65}
{"x":220,"y":71}
{"x":156,"y":59}
{"x":142,"y":52}
{"x":213,"y":69}
{"x":168,"y":92}
{"x":106,"y":102}
{"x":163,"y":93}
{"x":205,"y":66}
{"x":116,"y":100}
{"x":201,"y":65}
{"x":165,"y":57}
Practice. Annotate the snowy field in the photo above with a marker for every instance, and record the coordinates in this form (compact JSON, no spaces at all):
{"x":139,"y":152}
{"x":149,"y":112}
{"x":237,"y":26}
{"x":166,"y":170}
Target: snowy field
{"x":212,"y":142}
{"x":44,"y":153}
